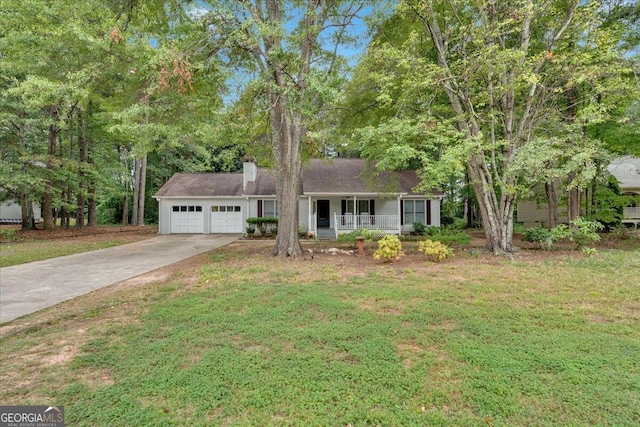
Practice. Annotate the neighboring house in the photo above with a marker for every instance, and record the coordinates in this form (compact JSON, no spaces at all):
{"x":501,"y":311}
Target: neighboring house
{"x":337,"y":196}
{"x":625,"y":169}
{"x":11,"y":212}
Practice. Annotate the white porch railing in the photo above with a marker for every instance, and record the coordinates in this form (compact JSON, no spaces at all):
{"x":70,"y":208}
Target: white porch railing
{"x":631,"y":213}
{"x":372,"y":222}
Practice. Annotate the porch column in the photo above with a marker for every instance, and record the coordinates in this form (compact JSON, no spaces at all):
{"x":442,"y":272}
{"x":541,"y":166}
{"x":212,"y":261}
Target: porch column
{"x":355,"y":213}
{"x":310,"y":218}
{"x":400,"y":215}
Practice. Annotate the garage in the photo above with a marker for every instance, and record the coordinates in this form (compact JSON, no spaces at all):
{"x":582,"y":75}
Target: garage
{"x":226,"y":219}
{"x":187,"y":219}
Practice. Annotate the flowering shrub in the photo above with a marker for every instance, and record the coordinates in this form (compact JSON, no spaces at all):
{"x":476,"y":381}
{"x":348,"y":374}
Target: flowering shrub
{"x":389,"y":249}
{"x":434,"y":251}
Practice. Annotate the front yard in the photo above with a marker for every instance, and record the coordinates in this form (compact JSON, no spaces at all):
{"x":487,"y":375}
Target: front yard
{"x":238,"y":338}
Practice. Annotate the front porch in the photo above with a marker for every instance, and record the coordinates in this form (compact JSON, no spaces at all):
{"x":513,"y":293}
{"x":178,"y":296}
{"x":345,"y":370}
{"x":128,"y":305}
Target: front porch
{"x":631,"y":217}
{"x":343,"y":224}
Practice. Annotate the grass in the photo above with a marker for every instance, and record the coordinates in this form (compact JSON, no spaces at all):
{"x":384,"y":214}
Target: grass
{"x":345,"y":341}
{"x":17,"y":247}
{"x":22,"y":252}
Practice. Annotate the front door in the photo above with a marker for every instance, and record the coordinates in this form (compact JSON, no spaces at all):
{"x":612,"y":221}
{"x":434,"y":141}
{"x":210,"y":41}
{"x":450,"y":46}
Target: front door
{"x":323,"y":213}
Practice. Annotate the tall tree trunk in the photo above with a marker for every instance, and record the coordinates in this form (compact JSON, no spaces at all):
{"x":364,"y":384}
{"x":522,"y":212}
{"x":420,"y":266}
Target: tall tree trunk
{"x":26,"y":211}
{"x":136,"y":192}
{"x":573,"y":202}
{"x":287,"y":130}
{"x":552,"y":203}
{"x":92,"y":220}
{"x":573,"y":195}
{"x":497,"y":216}
{"x":82,"y":151}
{"x":47,"y":202}
{"x":92,"y":216}
{"x":142,"y":189}
{"x":125,"y":209}
{"x":26,"y":207}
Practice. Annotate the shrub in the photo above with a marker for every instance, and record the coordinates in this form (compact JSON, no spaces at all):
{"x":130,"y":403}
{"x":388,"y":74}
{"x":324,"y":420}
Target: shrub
{"x":585,"y":232}
{"x":8,"y":235}
{"x":419,"y":227}
{"x":389,"y":249}
{"x":434,"y":251}
{"x":251,"y":230}
{"x":582,"y":233}
{"x":448,"y":236}
{"x":539,"y":235}
{"x":351,"y":237}
{"x":264,"y":224}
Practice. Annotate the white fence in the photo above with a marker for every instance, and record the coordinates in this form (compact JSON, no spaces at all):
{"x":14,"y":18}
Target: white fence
{"x":372,"y":222}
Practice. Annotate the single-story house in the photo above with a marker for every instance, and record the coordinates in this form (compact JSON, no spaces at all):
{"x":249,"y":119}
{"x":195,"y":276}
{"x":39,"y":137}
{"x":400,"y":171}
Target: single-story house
{"x":337,"y":196}
{"x":625,"y":169}
{"x":11,"y":212}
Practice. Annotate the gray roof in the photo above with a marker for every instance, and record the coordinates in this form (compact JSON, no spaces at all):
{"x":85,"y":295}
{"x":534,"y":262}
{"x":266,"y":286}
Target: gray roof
{"x":202,"y":185}
{"x":335,"y":176}
{"x":626,"y":169}
{"x":353,"y":176}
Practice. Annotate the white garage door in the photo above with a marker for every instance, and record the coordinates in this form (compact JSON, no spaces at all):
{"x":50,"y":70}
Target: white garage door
{"x":226,"y":219}
{"x":187,"y":219}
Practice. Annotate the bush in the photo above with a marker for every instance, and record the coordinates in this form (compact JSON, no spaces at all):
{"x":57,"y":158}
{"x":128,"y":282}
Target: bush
{"x":389,"y":249}
{"x":582,"y":233}
{"x":585,"y":232}
{"x":434,"y":251}
{"x":448,"y":236}
{"x":539,"y":235}
{"x":263,"y":224}
{"x":419,"y":227}
{"x":351,"y":237}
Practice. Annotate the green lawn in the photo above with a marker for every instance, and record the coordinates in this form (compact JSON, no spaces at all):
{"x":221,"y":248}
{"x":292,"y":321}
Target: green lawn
{"x":541,"y":341}
{"x":16,"y":249}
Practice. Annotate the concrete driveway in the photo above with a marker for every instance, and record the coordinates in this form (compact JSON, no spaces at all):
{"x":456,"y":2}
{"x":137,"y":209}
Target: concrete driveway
{"x":27,"y":288}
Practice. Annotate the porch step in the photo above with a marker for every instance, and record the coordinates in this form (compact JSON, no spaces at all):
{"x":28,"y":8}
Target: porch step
{"x":326,"y":234}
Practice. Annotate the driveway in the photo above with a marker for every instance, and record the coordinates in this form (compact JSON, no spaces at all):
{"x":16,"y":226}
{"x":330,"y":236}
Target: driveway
{"x":27,"y":288}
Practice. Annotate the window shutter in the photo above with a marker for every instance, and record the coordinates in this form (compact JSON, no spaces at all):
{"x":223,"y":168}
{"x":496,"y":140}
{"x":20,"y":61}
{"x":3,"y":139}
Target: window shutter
{"x":259,"y":208}
{"x":344,"y":207}
{"x":372,"y":211}
{"x":402,"y":212}
{"x":428,"y":212}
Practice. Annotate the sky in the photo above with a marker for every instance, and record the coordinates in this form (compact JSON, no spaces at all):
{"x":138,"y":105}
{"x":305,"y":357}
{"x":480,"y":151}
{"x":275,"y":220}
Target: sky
{"x":352,"y":51}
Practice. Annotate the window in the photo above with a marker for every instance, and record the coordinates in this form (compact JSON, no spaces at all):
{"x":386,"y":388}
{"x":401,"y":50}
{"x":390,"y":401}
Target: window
{"x":226,"y":209}
{"x":362,"y":207}
{"x":186,"y":208}
{"x":414,"y":211}
{"x":269,"y":208}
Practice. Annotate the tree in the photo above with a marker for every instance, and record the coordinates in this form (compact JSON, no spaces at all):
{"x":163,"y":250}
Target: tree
{"x":501,"y":69}
{"x":281,"y":43}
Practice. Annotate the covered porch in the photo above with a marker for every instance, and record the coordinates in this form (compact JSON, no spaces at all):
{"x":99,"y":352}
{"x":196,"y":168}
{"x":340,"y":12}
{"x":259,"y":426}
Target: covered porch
{"x":332,"y":215}
{"x":342,"y":224}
